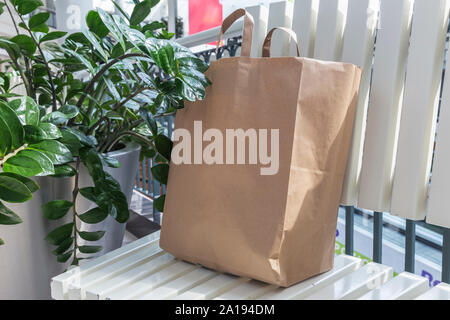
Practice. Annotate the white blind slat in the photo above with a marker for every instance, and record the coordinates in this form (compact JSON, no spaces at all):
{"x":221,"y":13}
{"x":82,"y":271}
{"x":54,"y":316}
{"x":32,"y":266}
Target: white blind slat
{"x":304,"y":24}
{"x":385,"y":105}
{"x":359,"y":38}
{"x":260,"y":16}
{"x":330,"y":30}
{"x":280,"y":15}
{"x":419,"y":110}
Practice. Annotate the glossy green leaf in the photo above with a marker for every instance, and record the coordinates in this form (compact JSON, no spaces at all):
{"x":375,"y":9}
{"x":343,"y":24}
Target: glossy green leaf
{"x":96,"y":25}
{"x":110,"y":162}
{"x":5,"y":138}
{"x":121,"y":204}
{"x":58,"y":235}
{"x":84,"y":140}
{"x":141,"y":11}
{"x":82,"y":59}
{"x":64,"y":171}
{"x":95,"y":43}
{"x":155,"y":25}
{"x":8,"y":217}
{"x":70,"y":111}
{"x":90,"y":249}
{"x":38,"y":19}
{"x":57,"y":118}
{"x":44,"y":28}
{"x":149,"y":120}
{"x":164,"y":145}
{"x":94,"y":216}
{"x":12,"y":48}
{"x":159,"y":203}
{"x":78,"y":37}
{"x":64,"y":257}
{"x":193,"y":63}
{"x":71,"y":141}
{"x":13,"y":190}
{"x":55,"y":150}
{"x":41,"y":158}
{"x":53,"y":36}
{"x":161,"y":172}
{"x":13,"y":123}
{"x":25,"y":43}
{"x":34,"y":134}
{"x":23,"y":166}
{"x":123,"y":12}
{"x":89,"y":193}
{"x":30,"y":184}
{"x":57,"y":209}
{"x":91,"y":236}
{"x":27,"y":110}
{"x":113,"y":26}
{"x":51,"y":131}
{"x":93,"y":162}
{"x":27,"y":6}
{"x":63,"y":247}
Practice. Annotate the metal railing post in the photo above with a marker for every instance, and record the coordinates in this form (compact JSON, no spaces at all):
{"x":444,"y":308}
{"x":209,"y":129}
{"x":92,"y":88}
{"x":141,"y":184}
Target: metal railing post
{"x":349,"y":229}
{"x":410,"y":245}
{"x":377,"y":236}
{"x":446,"y":257}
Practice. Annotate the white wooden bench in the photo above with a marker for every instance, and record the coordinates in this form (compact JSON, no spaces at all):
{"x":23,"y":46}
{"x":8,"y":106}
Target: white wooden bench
{"x":388,"y":169}
{"x":142,"y":271}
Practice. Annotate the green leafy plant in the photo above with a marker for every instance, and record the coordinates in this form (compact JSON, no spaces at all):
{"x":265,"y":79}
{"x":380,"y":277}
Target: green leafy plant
{"x":102,"y":88}
{"x":28,"y":147}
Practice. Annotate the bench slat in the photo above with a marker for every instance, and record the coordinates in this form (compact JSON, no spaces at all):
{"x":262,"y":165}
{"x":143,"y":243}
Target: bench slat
{"x":405,"y":286}
{"x":439,"y":292}
{"x":343,"y":265}
{"x":355,"y":284}
{"x":59,"y":284}
{"x":385,"y":101}
{"x":212,"y":288}
{"x":419,"y":110}
{"x":155,"y":264}
{"x":180,"y":285}
{"x":174,"y":271}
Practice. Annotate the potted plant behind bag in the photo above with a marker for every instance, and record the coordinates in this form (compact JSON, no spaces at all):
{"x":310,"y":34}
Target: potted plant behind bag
{"x":105,"y":89}
{"x":28,"y":148}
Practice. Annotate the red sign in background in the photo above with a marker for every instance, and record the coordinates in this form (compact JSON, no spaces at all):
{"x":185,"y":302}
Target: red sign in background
{"x":204,"y":15}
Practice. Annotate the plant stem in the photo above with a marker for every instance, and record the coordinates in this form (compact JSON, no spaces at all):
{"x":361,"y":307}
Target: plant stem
{"x":118,"y":106}
{"x":12,"y":154}
{"x":75,"y":214}
{"x":49,"y":72}
{"x":105,"y":68}
{"x":16,"y":64}
{"x":134,"y":134}
{"x":12,"y":17}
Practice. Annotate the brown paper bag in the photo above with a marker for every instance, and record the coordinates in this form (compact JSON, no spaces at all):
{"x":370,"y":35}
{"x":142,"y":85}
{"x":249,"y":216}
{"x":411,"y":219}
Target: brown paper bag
{"x":236,"y":209}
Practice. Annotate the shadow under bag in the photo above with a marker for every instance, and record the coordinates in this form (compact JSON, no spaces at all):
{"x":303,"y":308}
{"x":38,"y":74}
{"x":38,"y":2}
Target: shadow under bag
{"x":271,"y":213}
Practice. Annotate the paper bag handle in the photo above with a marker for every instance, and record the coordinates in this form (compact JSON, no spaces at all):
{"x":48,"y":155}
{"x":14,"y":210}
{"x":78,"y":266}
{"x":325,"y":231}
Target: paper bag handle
{"x":248,"y":30}
{"x":268,"y":41}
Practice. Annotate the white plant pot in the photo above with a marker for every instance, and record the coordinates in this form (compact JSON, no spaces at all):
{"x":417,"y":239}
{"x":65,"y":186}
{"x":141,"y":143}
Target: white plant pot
{"x":26,"y":261}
